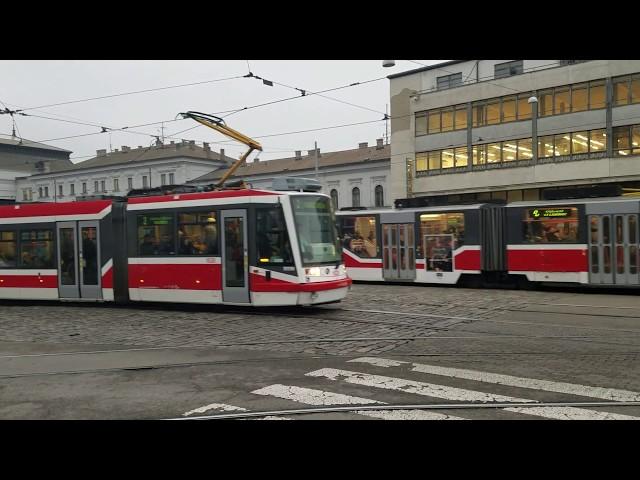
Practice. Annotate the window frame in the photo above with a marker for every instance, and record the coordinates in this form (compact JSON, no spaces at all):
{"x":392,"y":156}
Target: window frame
{"x":16,"y":247}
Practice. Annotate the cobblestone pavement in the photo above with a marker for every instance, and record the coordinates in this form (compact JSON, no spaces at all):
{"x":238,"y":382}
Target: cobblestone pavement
{"x":395,"y":314}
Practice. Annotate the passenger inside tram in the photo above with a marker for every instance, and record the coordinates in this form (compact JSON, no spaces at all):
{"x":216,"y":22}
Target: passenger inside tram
{"x":147,"y":247}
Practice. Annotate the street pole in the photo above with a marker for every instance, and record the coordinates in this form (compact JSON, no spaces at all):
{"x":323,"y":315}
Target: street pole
{"x":316,"y":154}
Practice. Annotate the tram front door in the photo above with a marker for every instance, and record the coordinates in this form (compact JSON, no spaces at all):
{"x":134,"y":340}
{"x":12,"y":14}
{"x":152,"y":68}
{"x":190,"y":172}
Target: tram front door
{"x":398,"y":251}
{"x":78,"y":260}
{"x":613,"y":249}
{"x":235,"y":258}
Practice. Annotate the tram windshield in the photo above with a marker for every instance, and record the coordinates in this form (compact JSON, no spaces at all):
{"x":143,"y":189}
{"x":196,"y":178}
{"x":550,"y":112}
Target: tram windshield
{"x":316,"y":228}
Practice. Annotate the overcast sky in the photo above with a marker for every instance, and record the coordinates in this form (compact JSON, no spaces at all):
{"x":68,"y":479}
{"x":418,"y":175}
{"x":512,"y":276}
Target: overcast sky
{"x":25,"y":84}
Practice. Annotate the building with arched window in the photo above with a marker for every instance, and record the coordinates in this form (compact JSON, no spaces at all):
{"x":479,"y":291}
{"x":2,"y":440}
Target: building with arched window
{"x":334,"y":198}
{"x":364,"y":170}
{"x":355,"y":197}
{"x":379,"y":194}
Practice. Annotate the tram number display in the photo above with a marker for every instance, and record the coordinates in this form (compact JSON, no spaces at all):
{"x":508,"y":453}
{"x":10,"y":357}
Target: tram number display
{"x":550,"y":213}
{"x":155,"y":220}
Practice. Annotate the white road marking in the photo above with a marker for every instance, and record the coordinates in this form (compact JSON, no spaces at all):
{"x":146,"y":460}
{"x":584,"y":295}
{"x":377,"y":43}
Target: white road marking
{"x":215,"y":406}
{"x":411,"y":386}
{"x":312,"y":396}
{"x":569,"y":413}
{"x":512,"y":381}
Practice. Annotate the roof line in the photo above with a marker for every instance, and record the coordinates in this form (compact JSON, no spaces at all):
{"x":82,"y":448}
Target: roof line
{"x":424,"y":69}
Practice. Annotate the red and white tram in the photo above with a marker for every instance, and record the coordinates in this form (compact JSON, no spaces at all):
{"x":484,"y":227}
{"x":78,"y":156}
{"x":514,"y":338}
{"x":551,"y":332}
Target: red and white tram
{"x":241,"y":247}
{"x":593,"y":241}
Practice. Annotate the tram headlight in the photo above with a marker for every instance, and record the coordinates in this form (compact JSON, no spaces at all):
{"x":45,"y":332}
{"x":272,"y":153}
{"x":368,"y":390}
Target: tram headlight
{"x":342,"y":270}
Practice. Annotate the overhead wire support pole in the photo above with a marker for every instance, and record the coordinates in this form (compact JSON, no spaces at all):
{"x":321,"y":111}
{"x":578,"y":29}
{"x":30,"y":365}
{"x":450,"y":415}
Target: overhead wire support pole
{"x":218,"y":124}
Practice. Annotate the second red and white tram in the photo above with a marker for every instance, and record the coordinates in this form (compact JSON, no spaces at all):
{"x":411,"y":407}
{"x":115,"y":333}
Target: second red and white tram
{"x":593,"y":241}
{"x":241,"y":247}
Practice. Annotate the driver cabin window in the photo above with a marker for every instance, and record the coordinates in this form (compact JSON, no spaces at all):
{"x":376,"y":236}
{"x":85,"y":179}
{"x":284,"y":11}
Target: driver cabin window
{"x":272,"y":237}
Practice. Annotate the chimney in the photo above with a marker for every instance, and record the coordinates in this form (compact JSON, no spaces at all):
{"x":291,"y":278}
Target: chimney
{"x":256,"y":160}
{"x":222,"y":154}
{"x":298,"y":154}
{"x":313,"y":152}
{"x":379,"y":144}
{"x":205,"y":145}
{"x":101,"y":153}
{"x":139,"y":146}
{"x":125,"y":148}
{"x":116,"y":150}
{"x":363,"y":145}
{"x":192,"y":142}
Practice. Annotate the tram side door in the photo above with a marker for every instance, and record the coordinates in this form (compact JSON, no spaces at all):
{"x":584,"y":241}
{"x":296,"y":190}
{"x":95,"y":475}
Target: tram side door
{"x":79,"y":260}
{"x":613,"y":249}
{"x":235,"y":257}
{"x":398,"y":251}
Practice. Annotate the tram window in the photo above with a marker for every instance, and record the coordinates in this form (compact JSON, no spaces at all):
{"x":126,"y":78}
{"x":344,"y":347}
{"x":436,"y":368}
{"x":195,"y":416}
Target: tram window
{"x":441,"y":234}
{"x":8,"y":247}
{"x":36,"y":249}
{"x":550,"y":225}
{"x":197,"y":233}
{"x":156,"y":235}
{"x":359,"y":236}
{"x":272,"y":237}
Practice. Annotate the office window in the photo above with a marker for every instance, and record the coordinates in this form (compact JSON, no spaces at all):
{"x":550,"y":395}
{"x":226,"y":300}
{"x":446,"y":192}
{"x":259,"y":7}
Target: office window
{"x":579,"y":142}
{"x":479,"y":153}
{"x":95,"y":186}
{"x":621,"y":91}
{"x":163,"y":179}
{"x":84,"y":187}
{"x":479,"y":114}
{"x":545,"y":146}
{"x":579,"y":97}
{"x":509,"y":151}
{"x":562,"y":101}
{"x":494,"y":153}
{"x":355,"y":197}
{"x":46,"y":192}
{"x":103,"y":186}
{"x":621,"y":141}
{"x":334,"y":198}
{"x":379,"y":194}
{"x":562,"y":144}
{"x":635,"y":139}
{"x":525,"y":151}
{"x":434,"y":121}
{"x":61,"y":190}
{"x":434,"y":160}
{"x":493,"y":112}
{"x":462,"y":159}
{"x":524,"y":107}
{"x":130,"y":183}
{"x":145,"y":182}
{"x":421,"y":123}
{"x":597,"y":140}
{"x":514,"y":195}
{"x":172,"y":179}
{"x":40,"y":192}
{"x":509,"y":109}
{"x":421,"y":161}
{"x":635,"y":89}
{"x":597,"y":95}
{"x":447,"y":158}
{"x":508,"y":68}
{"x":25,"y":194}
{"x":545,"y":102}
{"x":447,"y":119}
{"x":448,"y":81}
{"x":116,"y":185}
{"x":72,"y":188}
{"x":460,"y":117}
{"x":531,"y":194}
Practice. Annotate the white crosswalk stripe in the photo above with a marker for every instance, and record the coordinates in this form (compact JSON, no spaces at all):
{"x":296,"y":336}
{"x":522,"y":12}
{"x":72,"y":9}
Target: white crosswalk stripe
{"x":569,"y":413}
{"x":312,"y":396}
{"x":221,"y":407}
{"x":509,"y":380}
{"x":412,"y":386}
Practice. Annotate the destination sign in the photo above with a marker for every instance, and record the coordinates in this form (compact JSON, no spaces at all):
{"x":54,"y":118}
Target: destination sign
{"x":550,"y":212}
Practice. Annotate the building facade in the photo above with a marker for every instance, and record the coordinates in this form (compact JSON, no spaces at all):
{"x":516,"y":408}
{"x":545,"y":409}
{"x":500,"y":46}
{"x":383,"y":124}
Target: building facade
{"x":482,"y":129}
{"x":122,"y":170}
{"x":353,"y":178}
{"x":20,"y":157}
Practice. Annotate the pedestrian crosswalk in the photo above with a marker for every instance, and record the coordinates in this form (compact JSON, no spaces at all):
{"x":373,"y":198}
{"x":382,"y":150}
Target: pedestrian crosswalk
{"x":365,"y":374}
